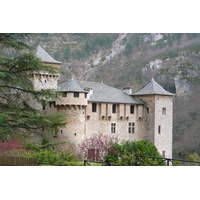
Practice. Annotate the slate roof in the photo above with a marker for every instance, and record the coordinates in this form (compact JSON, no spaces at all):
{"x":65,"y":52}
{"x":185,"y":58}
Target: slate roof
{"x":100,"y":92}
{"x":44,"y":56}
{"x":153,"y":88}
{"x":70,"y":86}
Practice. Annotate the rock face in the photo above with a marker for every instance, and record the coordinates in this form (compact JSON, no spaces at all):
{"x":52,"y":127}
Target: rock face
{"x":133,"y":59}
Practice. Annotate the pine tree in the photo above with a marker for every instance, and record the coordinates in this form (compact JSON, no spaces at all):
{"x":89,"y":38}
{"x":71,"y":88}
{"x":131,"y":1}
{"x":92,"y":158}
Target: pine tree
{"x":17,"y":114}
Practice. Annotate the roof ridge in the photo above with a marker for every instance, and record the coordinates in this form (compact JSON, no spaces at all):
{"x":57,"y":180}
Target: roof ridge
{"x":90,"y":82}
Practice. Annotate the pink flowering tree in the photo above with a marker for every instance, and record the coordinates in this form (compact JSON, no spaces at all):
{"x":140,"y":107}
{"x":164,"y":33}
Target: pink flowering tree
{"x":96,"y":147}
{"x":10,"y":147}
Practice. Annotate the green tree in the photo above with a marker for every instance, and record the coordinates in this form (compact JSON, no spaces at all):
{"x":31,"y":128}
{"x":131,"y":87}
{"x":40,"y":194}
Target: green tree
{"x":128,"y":49}
{"x":192,"y":157}
{"x":130,"y":153}
{"x":17,"y":114}
{"x":67,"y":53}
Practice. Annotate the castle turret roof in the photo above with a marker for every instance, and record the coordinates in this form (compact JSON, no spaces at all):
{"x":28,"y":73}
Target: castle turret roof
{"x":44,"y":56}
{"x":70,"y":86}
{"x":153,"y":88}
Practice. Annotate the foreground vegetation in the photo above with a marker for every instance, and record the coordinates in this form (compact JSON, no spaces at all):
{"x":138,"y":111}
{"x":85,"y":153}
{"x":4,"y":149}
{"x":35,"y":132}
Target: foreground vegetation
{"x":18,"y":116}
{"x":124,"y":154}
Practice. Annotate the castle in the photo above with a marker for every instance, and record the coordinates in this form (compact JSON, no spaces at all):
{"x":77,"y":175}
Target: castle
{"x":93,"y":108}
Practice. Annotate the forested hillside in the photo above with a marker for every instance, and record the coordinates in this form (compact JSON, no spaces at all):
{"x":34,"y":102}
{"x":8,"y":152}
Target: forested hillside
{"x":132,"y":60}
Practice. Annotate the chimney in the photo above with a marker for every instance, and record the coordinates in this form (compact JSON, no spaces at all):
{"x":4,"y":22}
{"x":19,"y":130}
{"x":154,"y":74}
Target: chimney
{"x":90,"y":92}
{"x":128,"y":90}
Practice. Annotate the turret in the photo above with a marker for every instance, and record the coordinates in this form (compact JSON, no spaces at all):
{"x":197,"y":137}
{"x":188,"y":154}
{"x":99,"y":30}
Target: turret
{"x":44,"y":80}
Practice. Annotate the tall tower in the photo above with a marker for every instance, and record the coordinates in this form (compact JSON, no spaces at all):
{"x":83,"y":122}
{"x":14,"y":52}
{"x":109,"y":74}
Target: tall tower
{"x":158,"y":116}
{"x":43,"y":79}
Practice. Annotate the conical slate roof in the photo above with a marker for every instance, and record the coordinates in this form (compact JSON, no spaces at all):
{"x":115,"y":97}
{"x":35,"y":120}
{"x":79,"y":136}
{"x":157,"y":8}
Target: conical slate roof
{"x":44,"y":56}
{"x":153,"y":88}
{"x":70,"y":86}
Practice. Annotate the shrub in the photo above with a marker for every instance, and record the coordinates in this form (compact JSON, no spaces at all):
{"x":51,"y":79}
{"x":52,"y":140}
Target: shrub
{"x":10,"y":145}
{"x":129,"y":153}
{"x":55,"y":158}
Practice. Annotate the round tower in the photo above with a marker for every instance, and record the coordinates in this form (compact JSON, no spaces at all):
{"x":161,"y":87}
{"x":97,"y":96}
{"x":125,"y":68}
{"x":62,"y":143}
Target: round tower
{"x":73,"y":103}
{"x":158,"y":116}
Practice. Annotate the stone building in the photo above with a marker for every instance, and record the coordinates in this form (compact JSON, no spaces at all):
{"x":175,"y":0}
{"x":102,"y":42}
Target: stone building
{"x":93,"y":108}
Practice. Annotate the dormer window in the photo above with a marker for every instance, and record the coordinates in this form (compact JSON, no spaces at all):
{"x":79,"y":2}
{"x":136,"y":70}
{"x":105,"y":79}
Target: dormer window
{"x":76,"y":94}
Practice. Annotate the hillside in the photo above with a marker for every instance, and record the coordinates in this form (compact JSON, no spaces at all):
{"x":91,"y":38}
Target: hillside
{"x":132,"y":60}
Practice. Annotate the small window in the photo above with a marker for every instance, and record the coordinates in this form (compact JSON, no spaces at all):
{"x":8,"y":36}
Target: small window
{"x":64,"y":94}
{"x":61,"y":131}
{"x":43,"y":105}
{"x":159,"y":129}
{"x":94,"y":107}
{"x":114,"y":108}
{"x":54,"y":104}
{"x":164,"y":111}
{"x":113,"y":127}
{"x":163,"y":154}
{"x":147,"y":110}
{"x":132,"y":109}
{"x":131,"y":127}
{"x":85,"y":95}
{"x":76,"y":94}
{"x":55,"y":134}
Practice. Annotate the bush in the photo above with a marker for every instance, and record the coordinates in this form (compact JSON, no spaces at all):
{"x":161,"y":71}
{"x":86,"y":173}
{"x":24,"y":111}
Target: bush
{"x":55,"y":158}
{"x":10,"y":145}
{"x":128,"y":153}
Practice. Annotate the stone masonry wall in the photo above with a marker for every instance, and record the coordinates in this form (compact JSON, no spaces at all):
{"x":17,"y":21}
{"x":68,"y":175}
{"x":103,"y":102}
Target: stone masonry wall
{"x":155,"y":121}
{"x":100,"y":121}
{"x":163,"y":118}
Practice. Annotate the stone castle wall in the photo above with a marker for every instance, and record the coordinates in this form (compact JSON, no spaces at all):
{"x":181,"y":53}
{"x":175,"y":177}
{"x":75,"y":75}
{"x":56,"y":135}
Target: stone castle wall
{"x":69,"y":99}
{"x":158,"y":122}
{"x":44,"y":81}
{"x":163,"y":121}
